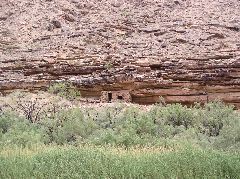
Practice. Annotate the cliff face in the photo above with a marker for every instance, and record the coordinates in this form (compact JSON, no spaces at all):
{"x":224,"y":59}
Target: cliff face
{"x":183,"y":50}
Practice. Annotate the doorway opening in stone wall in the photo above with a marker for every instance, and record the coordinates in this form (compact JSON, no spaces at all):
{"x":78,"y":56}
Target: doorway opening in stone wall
{"x":113,"y":96}
{"x":109,"y":97}
{"x":120,"y":98}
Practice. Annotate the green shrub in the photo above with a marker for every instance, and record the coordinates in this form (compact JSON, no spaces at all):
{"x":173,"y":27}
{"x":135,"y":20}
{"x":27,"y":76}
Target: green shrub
{"x":6,"y":121}
{"x":69,"y":126}
{"x":214,"y":116}
{"x":65,"y":90}
{"x":17,"y":131}
{"x":229,"y":137}
{"x":174,"y":115}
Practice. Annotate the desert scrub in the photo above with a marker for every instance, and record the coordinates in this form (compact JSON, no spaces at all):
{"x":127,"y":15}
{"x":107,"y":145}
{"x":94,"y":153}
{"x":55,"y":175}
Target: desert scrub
{"x":213,"y":126}
{"x":165,"y":141}
{"x":65,"y":90}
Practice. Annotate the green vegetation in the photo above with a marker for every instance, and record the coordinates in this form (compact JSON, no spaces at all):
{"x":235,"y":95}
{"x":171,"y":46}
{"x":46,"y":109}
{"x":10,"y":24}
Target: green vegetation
{"x":108,"y":65}
{"x":90,"y":162}
{"x":65,"y":90}
{"x":162,"y":141}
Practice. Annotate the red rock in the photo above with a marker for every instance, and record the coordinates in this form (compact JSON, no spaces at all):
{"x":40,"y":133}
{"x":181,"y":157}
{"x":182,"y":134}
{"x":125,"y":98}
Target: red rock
{"x":185,"y":51}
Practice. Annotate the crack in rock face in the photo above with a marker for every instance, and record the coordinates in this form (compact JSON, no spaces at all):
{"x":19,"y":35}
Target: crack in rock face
{"x":183,"y":50}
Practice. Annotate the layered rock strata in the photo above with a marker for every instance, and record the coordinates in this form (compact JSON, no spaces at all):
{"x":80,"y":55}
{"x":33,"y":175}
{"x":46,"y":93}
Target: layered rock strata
{"x":183,"y":50}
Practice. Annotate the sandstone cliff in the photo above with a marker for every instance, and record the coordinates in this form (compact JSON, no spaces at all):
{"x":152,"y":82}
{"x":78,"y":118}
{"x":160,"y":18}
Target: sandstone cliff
{"x":183,"y":50}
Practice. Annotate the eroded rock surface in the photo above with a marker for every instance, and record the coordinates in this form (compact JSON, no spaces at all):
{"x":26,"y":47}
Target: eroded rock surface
{"x":183,"y":50}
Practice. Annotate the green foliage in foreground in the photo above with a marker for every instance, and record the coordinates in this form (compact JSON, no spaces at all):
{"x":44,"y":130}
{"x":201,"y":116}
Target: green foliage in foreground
{"x":89,"y":162}
{"x":211,"y":131}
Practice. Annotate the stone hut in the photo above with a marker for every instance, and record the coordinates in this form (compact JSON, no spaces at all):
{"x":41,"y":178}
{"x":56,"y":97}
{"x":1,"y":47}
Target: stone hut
{"x":112,"y":96}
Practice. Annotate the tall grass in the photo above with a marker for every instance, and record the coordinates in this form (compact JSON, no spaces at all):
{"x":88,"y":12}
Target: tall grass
{"x":102,"y":162}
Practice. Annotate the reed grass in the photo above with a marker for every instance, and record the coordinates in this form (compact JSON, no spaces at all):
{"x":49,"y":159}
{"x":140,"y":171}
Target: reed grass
{"x":115,"y":162}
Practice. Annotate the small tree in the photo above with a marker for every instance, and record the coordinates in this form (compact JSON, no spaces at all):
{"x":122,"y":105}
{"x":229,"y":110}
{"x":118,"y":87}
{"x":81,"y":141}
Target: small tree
{"x":31,"y":109}
{"x":65,"y":90}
